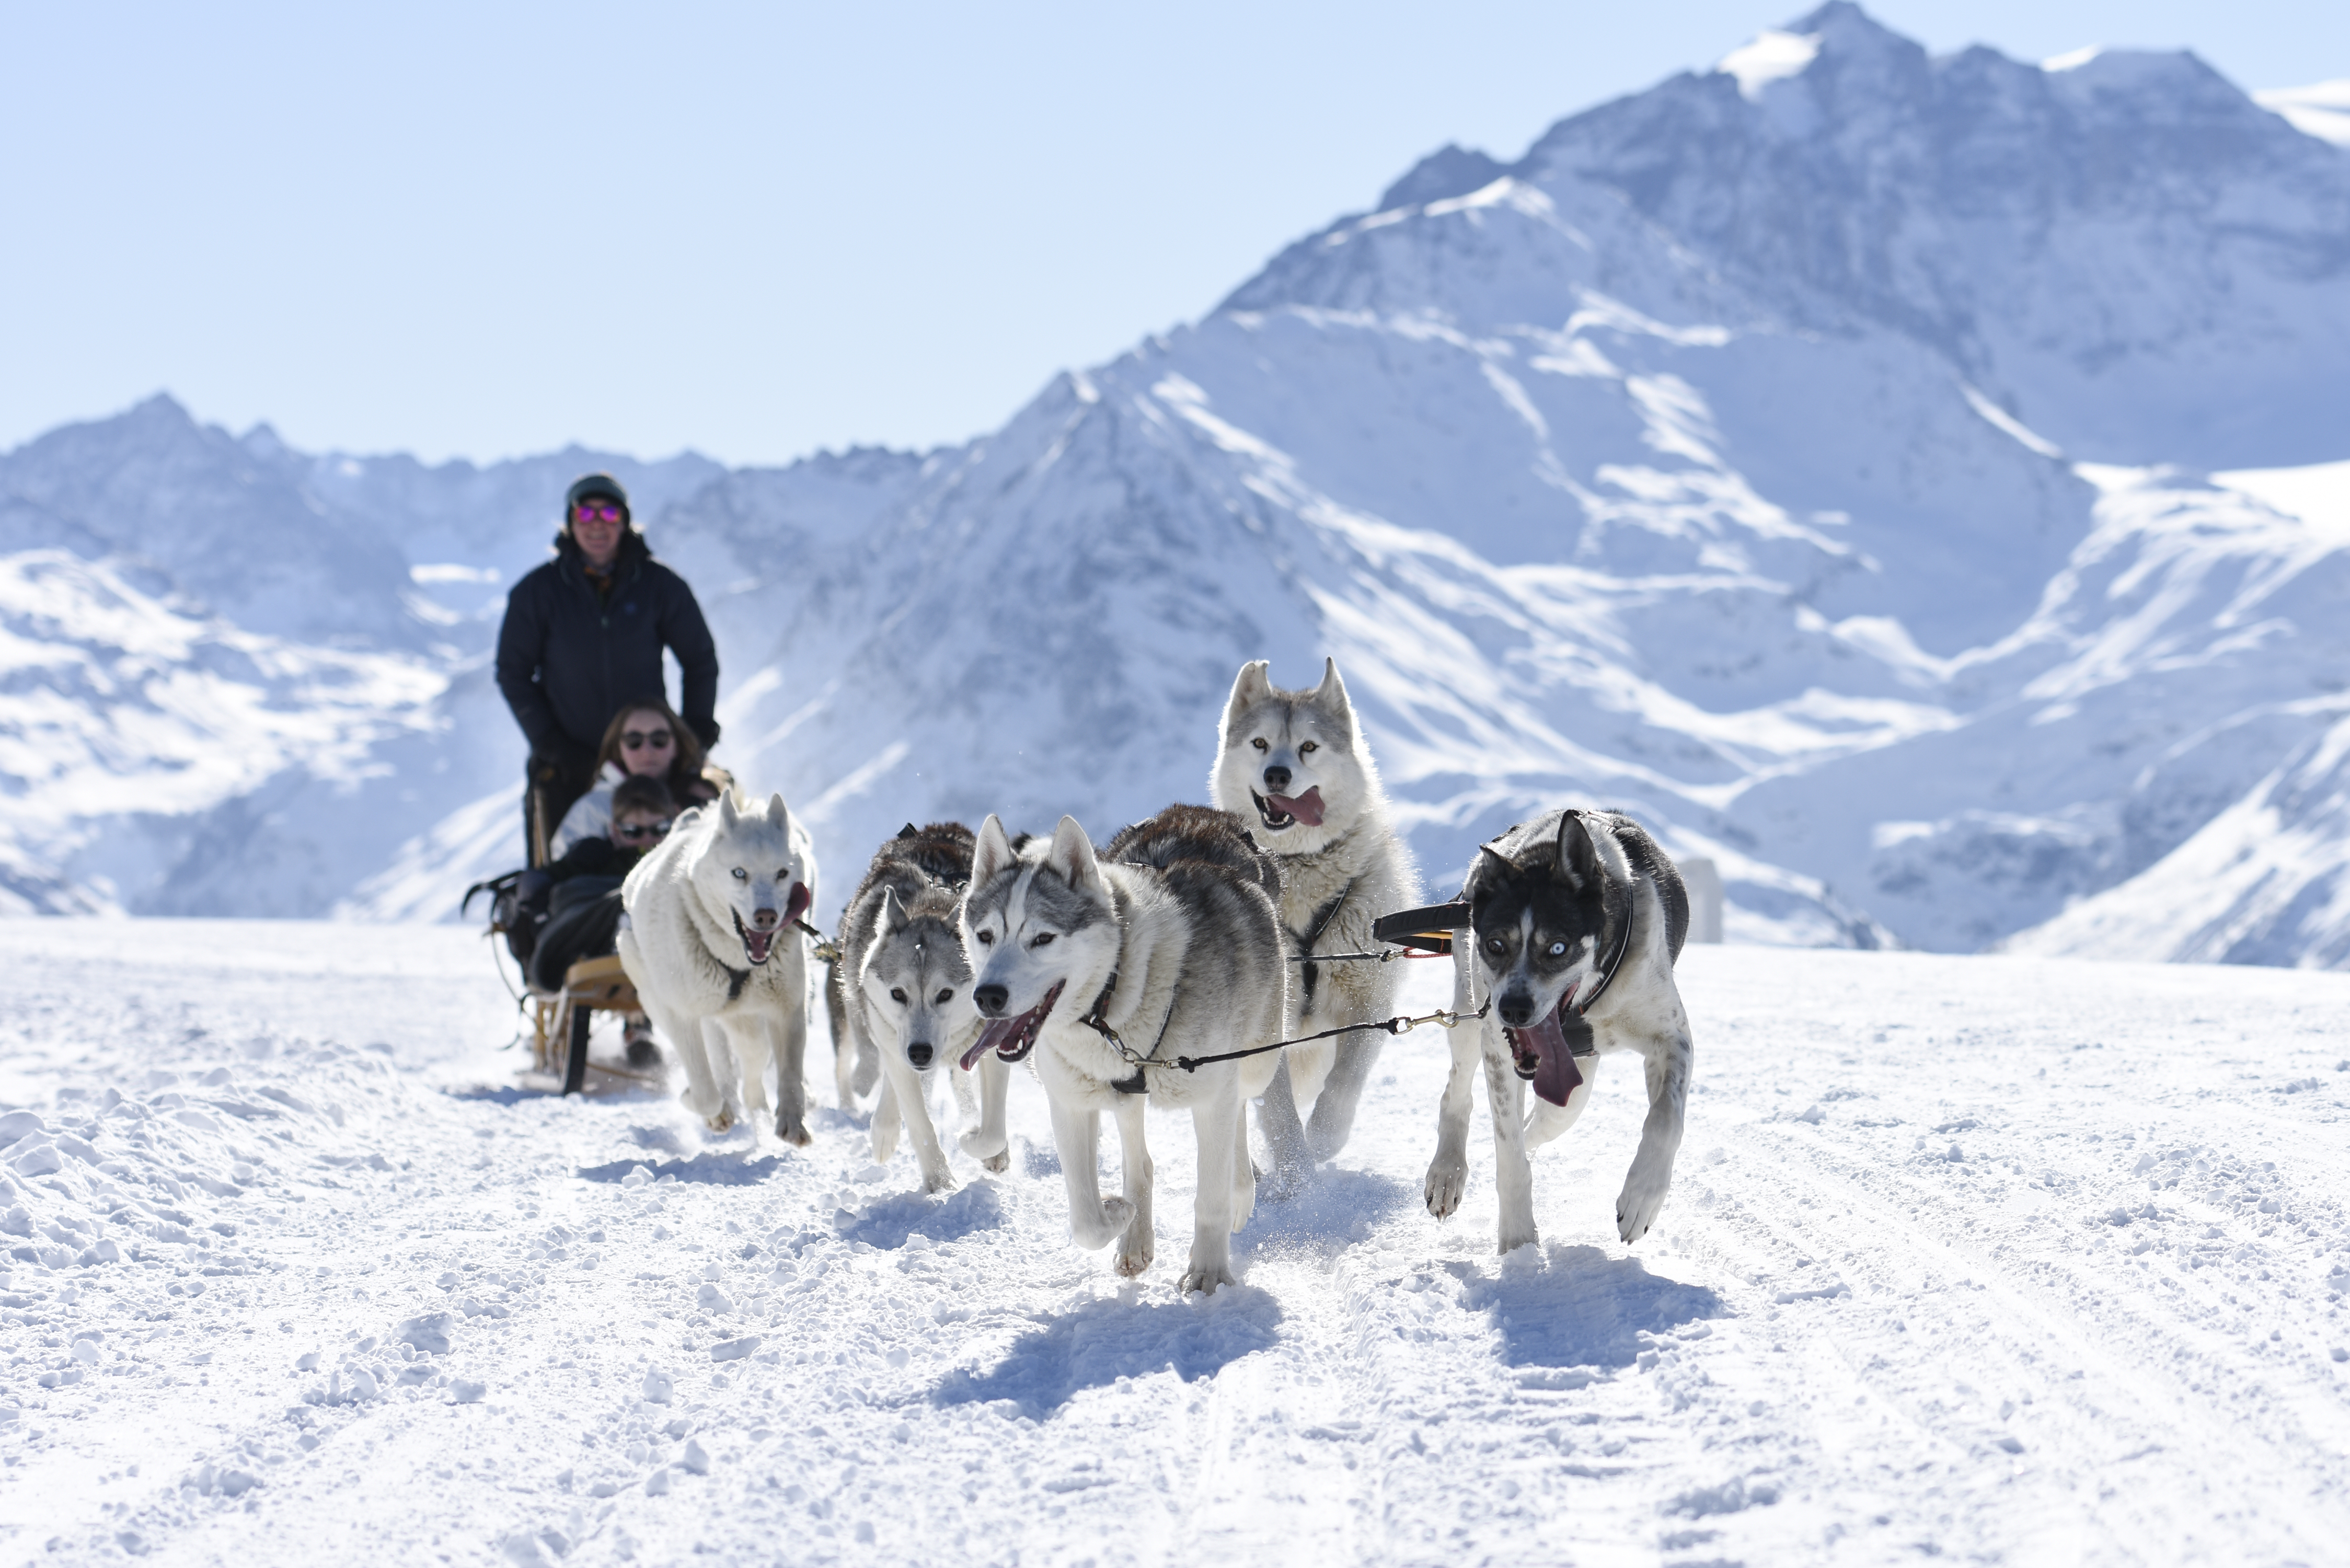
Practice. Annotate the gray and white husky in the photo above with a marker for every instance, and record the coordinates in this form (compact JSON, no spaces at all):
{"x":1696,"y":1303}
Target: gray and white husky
{"x":1168,"y":945}
{"x":1577,"y":920}
{"x":904,"y":996}
{"x":1294,"y":767}
{"x":711,"y":943}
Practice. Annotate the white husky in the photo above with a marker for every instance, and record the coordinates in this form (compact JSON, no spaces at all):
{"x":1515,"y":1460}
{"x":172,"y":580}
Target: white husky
{"x":1110,"y":968}
{"x":712,"y":945}
{"x":1294,"y":767}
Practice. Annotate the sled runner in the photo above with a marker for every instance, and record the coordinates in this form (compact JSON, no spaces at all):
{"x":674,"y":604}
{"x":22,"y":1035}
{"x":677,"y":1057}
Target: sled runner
{"x":560,"y":1020}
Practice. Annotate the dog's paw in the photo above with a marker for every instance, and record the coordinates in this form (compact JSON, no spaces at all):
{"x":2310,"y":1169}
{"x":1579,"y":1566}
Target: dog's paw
{"x":998,"y":1163}
{"x":885,"y":1144}
{"x":938,"y":1182}
{"x":1515,"y":1237}
{"x":1637,"y":1206}
{"x":1108,"y":1223}
{"x":792,"y":1132}
{"x":720,"y":1120}
{"x":985,"y":1147}
{"x":705,"y":1106}
{"x":1204,"y":1277}
{"x":1446,"y":1182}
{"x":1135,"y":1254}
{"x":1285,"y":1181}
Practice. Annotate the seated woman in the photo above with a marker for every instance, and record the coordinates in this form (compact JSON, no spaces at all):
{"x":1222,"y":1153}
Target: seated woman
{"x":644,"y":739}
{"x":584,"y":909}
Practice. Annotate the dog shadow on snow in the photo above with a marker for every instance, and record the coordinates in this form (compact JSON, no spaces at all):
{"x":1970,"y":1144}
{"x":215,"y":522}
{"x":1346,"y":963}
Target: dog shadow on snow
{"x":712,"y":1167}
{"x":1581,"y":1313}
{"x":1121,"y":1336}
{"x":1117,"y":1337}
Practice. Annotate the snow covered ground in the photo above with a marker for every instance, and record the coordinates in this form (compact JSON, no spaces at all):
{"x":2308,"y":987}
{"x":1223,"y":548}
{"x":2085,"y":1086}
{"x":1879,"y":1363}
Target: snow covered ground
{"x":2002,"y":1259}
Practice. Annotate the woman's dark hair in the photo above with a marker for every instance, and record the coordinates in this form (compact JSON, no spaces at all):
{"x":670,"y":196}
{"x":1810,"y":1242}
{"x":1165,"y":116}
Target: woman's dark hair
{"x":638,"y":794}
{"x":685,"y":757}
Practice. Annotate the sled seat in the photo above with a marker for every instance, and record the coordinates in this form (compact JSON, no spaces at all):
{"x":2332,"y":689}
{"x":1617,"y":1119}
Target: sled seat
{"x":561,"y":1019}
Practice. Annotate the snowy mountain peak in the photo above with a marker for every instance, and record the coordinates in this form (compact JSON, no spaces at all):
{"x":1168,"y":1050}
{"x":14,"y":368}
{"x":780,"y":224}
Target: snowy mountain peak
{"x":1773,"y":56}
{"x":1449,"y":171}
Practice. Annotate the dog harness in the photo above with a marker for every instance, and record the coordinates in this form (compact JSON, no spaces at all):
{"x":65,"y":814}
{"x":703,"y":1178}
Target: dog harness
{"x":1322,"y":918}
{"x":1097,"y":1018}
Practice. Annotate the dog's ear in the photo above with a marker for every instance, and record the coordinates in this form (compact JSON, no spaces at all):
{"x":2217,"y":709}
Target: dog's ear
{"x":1577,"y":861}
{"x":1588,"y":855}
{"x":1331,"y":695}
{"x":1072,"y":855}
{"x":728,"y":816}
{"x":893,"y":914}
{"x":1330,"y":700}
{"x":991,"y":852}
{"x":1253,"y":686}
{"x":778,"y":813}
{"x":1487,"y":870}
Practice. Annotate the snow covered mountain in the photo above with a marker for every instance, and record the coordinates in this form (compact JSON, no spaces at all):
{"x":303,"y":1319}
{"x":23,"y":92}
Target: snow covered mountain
{"x":1815,"y":456}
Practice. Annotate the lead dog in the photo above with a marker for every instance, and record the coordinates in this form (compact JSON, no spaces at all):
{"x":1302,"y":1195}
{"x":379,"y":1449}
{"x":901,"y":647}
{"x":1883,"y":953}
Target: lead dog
{"x":1577,"y":920}
{"x":1168,"y":943}
{"x":1294,"y":765}
{"x":711,"y":945}
{"x":902,"y":992}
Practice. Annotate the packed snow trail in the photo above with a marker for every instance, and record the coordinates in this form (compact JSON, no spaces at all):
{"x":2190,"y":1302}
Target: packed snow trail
{"x":2000,"y":1259}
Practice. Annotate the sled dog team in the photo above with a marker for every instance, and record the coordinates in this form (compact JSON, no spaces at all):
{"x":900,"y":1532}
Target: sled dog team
{"x":1199,"y":933}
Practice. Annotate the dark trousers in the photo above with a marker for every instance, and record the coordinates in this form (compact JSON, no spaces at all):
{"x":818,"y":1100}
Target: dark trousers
{"x":583,"y":921}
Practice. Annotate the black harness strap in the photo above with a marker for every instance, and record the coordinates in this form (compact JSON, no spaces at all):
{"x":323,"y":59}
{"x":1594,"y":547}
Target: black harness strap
{"x":1623,"y":946}
{"x":1097,"y":1018}
{"x":1322,"y":918}
{"x":1396,"y":1025}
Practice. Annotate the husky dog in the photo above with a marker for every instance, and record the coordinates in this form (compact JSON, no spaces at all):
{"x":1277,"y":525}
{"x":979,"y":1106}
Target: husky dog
{"x":1110,"y":968}
{"x":1292,"y":765}
{"x":711,"y":944}
{"x":903,"y":987}
{"x":1577,"y":920}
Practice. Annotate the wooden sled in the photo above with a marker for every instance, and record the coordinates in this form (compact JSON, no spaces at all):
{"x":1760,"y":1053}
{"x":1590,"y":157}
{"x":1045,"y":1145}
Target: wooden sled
{"x":561,"y":1020}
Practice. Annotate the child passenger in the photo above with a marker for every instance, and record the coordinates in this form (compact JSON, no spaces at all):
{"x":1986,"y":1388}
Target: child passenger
{"x":584,"y":911}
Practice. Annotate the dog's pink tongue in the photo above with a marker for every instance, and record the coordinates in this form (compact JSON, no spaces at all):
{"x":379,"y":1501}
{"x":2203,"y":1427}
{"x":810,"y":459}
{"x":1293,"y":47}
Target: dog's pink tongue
{"x":1556,"y":1074}
{"x":994,"y":1034}
{"x":1307,"y":808}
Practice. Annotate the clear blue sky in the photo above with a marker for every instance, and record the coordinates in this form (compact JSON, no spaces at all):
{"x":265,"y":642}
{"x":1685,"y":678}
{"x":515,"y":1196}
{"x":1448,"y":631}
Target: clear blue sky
{"x":484,"y":230}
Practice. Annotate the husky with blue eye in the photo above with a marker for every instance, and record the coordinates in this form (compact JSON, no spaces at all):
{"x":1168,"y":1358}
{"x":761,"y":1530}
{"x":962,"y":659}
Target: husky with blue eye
{"x":1576,"y":920}
{"x":712,"y":943}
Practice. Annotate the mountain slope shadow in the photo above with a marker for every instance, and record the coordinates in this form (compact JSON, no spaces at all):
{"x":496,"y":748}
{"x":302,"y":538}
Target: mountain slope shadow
{"x":1584,"y":1314}
{"x":1104,"y":1341}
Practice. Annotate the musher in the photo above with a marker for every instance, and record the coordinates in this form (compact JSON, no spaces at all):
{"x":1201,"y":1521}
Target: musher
{"x":583,"y":637}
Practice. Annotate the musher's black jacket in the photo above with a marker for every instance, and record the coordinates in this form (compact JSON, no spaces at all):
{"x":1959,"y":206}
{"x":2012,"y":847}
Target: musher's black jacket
{"x":569,"y":660}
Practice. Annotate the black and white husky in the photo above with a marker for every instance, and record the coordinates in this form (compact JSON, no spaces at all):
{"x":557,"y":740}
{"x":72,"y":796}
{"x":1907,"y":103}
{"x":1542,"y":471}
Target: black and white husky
{"x":1110,"y":968}
{"x":1293,"y":767}
{"x":1576,"y":920}
{"x":902,"y":992}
